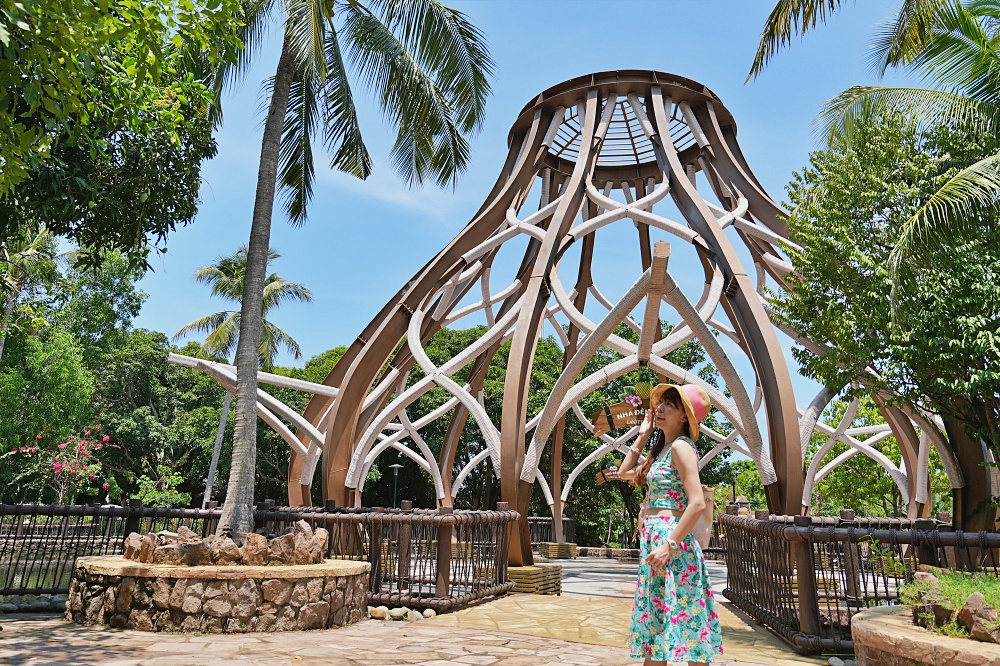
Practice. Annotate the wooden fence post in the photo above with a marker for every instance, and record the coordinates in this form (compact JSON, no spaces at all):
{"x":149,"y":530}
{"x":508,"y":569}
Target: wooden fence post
{"x":375,"y":549}
{"x":132,"y":518}
{"x":806,"y":579}
{"x":852,"y":556}
{"x":444,"y":554}
{"x":924,"y":551}
{"x":500,"y":559}
{"x":405,"y":541}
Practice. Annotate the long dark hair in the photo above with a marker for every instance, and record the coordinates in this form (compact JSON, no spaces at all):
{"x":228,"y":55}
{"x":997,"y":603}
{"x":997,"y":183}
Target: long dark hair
{"x":659,"y":441}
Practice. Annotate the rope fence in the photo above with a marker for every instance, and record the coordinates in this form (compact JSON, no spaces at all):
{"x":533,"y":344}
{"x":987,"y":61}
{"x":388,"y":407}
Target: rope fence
{"x":806,"y":577}
{"x":420,"y":558}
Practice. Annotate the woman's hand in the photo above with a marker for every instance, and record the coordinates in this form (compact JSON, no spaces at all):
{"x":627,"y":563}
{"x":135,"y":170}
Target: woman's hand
{"x":646,"y":426}
{"x":659,"y":557}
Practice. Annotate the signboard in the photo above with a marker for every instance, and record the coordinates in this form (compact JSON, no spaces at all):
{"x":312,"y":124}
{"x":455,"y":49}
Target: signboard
{"x":622,"y":415}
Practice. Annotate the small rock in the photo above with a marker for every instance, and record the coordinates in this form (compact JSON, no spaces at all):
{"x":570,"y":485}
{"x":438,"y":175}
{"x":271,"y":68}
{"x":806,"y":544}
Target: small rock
{"x":378,"y":613}
{"x":398,"y":613}
{"x":132,"y":544}
{"x":171,"y":553}
{"x":413,"y":615}
{"x":976,"y":609}
{"x":850,"y":662}
{"x":255,"y":551}
{"x":925,"y":577}
{"x":835,"y":661}
{"x":187,"y":534}
{"x":429,"y":613}
{"x":8,"y":607}
{"x":282,"y":549}
{"x":943,"y":614}
{"x":146,"y":548}
{"x":314,"y":615}
{"x":303,"y":528}
{"x":277,"y":591}
{"x":322,"y":539}
{"x":227,"y":552}
{"x":197,"y":554}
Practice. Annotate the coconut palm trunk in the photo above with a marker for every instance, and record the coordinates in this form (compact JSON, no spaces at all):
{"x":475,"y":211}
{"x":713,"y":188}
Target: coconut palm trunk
{"x":237,"y":511}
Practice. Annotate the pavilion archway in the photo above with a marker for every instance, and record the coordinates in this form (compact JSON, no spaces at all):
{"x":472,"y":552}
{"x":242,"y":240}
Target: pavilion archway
{"x":657,"y":155}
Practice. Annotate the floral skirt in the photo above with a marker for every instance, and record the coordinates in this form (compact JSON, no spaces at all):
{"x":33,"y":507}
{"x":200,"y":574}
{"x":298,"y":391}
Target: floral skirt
{"x":674,"y":616}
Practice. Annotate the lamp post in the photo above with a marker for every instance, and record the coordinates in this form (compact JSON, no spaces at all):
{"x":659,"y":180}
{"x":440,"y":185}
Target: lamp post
{"x":395,"y":467}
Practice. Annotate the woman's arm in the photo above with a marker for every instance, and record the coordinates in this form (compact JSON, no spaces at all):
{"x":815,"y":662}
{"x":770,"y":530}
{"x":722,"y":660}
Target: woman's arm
{"x":635,"y":450}
{"x":685,"y":461}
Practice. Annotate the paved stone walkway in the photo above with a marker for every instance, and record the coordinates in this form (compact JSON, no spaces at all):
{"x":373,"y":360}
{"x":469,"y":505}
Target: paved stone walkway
{"x":584,"y":626}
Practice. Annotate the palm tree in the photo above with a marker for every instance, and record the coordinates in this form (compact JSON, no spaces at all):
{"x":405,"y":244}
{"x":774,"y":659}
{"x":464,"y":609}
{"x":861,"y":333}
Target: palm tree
{"x":427,"y":66}
{"x":226,"y":277}
{"x":23,"y":261}
{"x":955,"y":46}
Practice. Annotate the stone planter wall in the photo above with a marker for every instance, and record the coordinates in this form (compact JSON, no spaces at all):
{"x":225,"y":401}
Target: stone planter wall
{"x":217,"y":599}
{"x":886,"y":636}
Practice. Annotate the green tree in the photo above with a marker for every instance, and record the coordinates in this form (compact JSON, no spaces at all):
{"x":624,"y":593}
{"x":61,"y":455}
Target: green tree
{"x":51,"y":52}
{"x":26,"y":264}
{"x":934,"y":343}
{"x":45,"y":392}
{"x":226,"y":278}
{"x":97,"y":306}
{"x":427,"y":66}
{"x":129,"y":181}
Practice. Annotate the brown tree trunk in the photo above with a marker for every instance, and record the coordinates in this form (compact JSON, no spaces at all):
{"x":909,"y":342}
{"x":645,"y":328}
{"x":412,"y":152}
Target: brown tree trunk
{"x":237,"y":512}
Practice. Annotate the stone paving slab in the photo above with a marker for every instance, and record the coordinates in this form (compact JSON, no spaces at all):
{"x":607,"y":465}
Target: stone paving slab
{"x":585,"y":626}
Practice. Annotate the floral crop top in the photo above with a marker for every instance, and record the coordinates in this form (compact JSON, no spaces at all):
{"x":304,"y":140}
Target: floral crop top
{"x":665,"y":490}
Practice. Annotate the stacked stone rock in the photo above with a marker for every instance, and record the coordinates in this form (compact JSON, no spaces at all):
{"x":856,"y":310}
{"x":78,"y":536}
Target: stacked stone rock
{"x":300,"y":545}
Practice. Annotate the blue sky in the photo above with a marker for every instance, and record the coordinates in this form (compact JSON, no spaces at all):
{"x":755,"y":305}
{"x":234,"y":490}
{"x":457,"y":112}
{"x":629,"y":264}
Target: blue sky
{"x":363,"y":240}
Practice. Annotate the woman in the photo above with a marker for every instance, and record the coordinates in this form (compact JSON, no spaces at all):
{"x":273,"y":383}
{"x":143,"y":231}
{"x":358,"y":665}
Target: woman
{"x":674,"y":617}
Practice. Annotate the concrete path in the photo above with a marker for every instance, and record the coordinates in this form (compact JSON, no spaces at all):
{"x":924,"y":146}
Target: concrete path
{"x":584,"y":626}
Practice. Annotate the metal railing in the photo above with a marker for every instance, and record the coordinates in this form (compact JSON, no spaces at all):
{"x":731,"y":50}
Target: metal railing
{"x":421,"y":558}
{"x":805,"y":577}
{"x":540,"y":529}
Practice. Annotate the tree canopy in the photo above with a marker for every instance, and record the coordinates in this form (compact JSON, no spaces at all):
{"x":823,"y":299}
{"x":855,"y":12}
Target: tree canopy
{"x":103,"y":126}
{"x":935,"y":339}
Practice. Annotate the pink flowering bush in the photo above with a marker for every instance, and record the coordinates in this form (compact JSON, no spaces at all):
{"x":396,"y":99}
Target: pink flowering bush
{"x":64,"y":469}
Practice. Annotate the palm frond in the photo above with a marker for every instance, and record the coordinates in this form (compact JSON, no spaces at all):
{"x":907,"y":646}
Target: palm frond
{"x":205,"y":324}
{"x":221,"y":342}
{"x":296,"y":170}
{"x":787,"y":19}
{"x":429,"y":141}
{"x":306,"y":26}
{"x":899,"y":41}
{"x":278,"y":290}
{"x":450,"y":47}
{"x":228,"y":75}
{"x":271,"y":339}
{"x":341,"y":130}
{"x":845,"y":113}
{"x":954,"y":211}
{"x":962,"y":55}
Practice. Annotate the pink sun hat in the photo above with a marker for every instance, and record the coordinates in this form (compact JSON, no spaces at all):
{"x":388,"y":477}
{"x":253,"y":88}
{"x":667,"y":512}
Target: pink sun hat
{"x":696,"y":403}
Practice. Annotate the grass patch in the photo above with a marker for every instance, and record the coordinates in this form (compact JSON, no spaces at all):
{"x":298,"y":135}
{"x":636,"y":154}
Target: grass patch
{"x":953,"y":589}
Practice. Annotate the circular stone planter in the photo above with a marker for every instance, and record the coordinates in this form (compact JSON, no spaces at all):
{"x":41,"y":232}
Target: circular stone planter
{"x":217,"y":599}
{"x":886,"y":636}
